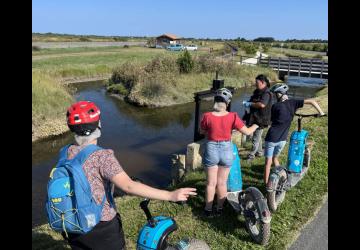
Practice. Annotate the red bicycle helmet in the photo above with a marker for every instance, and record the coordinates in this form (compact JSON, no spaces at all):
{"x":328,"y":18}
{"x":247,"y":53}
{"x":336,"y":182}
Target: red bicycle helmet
{"x":83,"y":117}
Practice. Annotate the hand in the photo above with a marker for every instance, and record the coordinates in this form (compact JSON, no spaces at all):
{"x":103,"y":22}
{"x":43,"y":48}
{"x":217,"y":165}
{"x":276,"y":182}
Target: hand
{"x":182,"y":194}
{"x":247,"y":104}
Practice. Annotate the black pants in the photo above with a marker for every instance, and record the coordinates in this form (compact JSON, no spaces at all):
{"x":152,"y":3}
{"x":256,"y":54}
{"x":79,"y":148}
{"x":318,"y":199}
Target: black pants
{"x":107,"y":235}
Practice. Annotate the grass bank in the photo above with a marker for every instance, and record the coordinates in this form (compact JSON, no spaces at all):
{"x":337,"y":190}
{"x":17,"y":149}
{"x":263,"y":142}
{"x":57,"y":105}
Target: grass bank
{"x":161,"y":81}
{"x":228,"y":232}
{"x":49,"y":101}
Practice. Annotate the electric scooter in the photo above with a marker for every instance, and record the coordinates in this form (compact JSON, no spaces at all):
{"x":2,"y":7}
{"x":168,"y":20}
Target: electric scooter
{"x":283,"y":178}
{"x":249,"y":202}
{"x":155,"y":232}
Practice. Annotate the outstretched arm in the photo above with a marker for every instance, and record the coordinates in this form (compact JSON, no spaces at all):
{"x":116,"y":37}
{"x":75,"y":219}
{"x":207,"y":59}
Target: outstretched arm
{"x":123,"y":181}
{"x":248,"y":130}
{"x":315,"y":105}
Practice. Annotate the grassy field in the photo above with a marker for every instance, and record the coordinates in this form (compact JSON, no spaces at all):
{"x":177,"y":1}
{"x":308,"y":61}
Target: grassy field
{"x":228,"y":231}
{"x":278,"y":52}
{"x":52,"y":37}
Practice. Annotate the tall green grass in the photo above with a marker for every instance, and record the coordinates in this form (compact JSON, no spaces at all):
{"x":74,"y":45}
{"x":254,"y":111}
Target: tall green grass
{"x":49,"y":101}
{"x":159,"y":82}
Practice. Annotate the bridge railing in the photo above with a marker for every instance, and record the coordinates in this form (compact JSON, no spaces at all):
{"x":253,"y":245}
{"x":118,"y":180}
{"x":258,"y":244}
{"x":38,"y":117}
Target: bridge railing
{"x":293,"y":64}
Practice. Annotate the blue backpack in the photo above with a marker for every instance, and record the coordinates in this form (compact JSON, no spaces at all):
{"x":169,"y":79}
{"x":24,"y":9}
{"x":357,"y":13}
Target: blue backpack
{"x":70,"y":205}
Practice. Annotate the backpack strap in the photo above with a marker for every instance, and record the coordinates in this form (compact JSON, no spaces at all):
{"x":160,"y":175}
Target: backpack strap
{"x":81,"y":157}
{"x":84,"y":154}
{"x":63,"y":153}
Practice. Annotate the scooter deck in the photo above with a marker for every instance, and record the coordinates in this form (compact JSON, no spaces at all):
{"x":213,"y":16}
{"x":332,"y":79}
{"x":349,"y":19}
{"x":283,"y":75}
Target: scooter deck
{"x":294,"y":178}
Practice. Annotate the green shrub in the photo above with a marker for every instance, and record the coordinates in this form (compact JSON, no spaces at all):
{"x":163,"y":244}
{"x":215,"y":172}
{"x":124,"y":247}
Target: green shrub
{"x":118,"y":89}
{"x":162,"y":64}
{"x":128,"y":74}
{"x":84,"y":39}
{"x":185,"y":62}
{"x":36,"y":48}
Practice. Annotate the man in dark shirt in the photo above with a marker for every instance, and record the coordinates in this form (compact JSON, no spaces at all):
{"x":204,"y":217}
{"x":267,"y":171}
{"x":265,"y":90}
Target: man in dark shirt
{"x":260,"y":111}
{"x":282,"y":114}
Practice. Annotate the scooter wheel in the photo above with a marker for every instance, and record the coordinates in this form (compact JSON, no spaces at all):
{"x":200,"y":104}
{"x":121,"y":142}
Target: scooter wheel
{"x":274,"y":198}
{"x":259,"y":231}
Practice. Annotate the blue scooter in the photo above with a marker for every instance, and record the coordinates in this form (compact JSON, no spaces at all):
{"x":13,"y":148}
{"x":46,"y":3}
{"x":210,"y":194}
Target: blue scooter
{"x":155,"y":232}
{"x":249,"y":202}
{"x":283,"y":178}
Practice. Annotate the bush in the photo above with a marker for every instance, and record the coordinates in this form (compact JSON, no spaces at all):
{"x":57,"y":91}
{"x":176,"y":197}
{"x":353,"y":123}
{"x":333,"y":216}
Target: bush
{"x":185,"y":62}
{"x":126,"y":46}
{"x":162,"y":64}
{"x":128,"y":74}
{"x":265,"y":48}
{"x":317,"y":47}
{"x":294,"y":46}
{"x":118,"y":89}
{"x":36,"y":48}
{"x":84,"y":39}
{"x":153,"y":88}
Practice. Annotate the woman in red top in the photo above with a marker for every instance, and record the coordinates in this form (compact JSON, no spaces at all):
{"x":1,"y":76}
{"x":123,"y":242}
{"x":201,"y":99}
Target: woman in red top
{"x":218,"y":155}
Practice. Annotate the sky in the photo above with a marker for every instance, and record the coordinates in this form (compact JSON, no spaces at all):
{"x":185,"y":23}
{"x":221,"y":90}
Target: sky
{"x":226,"y":19}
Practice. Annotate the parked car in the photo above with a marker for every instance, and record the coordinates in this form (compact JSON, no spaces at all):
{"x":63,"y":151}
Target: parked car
{"x":175,"y":47}
{"x":158,"y":46}
{"x":191,"y":47}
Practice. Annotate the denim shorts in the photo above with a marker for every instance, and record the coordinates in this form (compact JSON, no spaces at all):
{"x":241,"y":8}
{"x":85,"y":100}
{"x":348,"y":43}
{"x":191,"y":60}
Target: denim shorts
{"x":274,"y":148}
{"x":218,"y":153}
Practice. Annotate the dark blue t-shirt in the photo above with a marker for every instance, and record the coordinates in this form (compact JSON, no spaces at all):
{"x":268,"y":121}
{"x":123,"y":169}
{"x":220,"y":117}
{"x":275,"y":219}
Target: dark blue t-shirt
{"x":282,"y":114}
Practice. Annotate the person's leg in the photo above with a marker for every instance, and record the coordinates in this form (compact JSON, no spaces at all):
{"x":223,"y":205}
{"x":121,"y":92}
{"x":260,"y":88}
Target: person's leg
{"x":260,"y":146}
{"x":211,"y":178}
{"x":269,"y":150}
{"x":255,"y":142}
{"x":277,"y":151}
{"x":268,"y":162}
{"x":276,"y":161}
{"x":221,"y":186}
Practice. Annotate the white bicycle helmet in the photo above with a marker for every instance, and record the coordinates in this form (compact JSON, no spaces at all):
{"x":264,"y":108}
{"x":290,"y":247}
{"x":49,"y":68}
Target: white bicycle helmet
{"x":279,"y":88}
{"x":225,"y":95}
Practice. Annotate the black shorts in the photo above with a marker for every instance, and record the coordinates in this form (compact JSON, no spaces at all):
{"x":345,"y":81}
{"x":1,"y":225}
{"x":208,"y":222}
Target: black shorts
{"x":107,"y":235}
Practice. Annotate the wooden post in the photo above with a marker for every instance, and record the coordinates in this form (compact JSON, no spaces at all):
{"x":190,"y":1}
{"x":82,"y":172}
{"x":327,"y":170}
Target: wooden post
{"x":311,"y":60}
{"x":322,"y":68}
{"x":197,"y":114}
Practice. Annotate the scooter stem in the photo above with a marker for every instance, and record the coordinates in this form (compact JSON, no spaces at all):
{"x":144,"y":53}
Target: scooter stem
{"x":299,"y":124}
{"x":144,"y":207}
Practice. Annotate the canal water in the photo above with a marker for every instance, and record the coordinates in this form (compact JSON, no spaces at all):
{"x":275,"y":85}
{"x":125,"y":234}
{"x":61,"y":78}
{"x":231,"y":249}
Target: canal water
{"x":143,"y":139}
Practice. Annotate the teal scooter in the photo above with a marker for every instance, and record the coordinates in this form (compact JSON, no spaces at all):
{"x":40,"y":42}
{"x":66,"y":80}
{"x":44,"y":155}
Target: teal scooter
{"x":283,"y":178}
{"x":249,"y":202}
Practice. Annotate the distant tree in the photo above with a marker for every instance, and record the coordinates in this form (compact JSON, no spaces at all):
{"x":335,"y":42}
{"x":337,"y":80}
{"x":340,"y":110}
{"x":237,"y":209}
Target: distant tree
{"x":185,"y":62}
{"x":264,"y":39}
{"x":317,"y":47}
